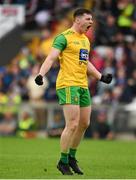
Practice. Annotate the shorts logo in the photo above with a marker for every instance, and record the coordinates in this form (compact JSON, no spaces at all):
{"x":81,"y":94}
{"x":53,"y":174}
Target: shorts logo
{"x":83,"y":54}
{"x":76,"y":99}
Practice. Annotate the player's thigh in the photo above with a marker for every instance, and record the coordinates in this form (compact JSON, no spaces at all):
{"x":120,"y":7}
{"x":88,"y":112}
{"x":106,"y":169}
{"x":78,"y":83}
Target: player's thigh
{"x":71,"y":113}
{"x":85,"y":114}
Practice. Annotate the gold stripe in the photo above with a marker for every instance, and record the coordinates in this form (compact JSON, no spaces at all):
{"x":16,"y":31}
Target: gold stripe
{"x":68,"y":95}
{"x":66,"y":90}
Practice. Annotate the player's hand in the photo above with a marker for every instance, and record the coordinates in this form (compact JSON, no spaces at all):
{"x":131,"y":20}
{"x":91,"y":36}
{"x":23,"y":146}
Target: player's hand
{"x":106,"y":78}
{"x":39,"y":80}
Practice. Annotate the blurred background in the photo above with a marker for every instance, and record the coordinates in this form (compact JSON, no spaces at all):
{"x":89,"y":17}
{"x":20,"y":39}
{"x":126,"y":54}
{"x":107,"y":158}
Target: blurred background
{"x":27,"y":29}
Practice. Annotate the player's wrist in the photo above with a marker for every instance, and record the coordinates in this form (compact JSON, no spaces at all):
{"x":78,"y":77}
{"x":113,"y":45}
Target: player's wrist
{"x":40,"y":75}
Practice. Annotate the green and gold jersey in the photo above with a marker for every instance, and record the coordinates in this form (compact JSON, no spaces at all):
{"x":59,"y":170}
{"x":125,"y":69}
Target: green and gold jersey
{"x":74,"y":57}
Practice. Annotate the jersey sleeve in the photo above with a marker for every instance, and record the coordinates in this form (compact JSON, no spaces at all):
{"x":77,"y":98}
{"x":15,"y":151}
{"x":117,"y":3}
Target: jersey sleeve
{"x":60,"y":42}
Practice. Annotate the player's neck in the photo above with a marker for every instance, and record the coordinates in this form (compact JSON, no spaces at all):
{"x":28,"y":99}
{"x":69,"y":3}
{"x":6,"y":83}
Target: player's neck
{"x":76,"y":29}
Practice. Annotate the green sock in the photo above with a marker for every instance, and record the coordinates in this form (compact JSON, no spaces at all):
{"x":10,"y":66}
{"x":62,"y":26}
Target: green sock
{"x":64,"y":157}
{"x":72,"y":152}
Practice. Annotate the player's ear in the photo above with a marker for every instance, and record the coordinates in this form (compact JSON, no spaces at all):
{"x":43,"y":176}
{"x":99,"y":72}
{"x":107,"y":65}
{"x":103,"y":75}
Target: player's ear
{"x":77,"y":20}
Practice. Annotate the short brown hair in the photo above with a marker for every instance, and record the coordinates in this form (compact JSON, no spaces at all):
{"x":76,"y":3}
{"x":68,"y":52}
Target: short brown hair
{"x":81,"y":11}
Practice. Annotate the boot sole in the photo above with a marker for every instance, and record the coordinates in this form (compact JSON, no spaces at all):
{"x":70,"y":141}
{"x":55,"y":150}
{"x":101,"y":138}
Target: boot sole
{"x":80,"y":173}
{"x":62,"y":172}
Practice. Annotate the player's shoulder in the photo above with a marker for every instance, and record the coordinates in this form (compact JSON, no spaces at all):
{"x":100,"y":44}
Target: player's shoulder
{"x":68,"y":32}
{"x":86,"y":38}
{"x":63,"y":34}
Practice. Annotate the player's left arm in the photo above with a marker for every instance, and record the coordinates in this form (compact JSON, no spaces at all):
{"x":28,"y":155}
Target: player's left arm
{"x":91,"y":70}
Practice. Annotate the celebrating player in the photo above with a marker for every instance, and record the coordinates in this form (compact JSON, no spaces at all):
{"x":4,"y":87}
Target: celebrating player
{"x":72,"y":48}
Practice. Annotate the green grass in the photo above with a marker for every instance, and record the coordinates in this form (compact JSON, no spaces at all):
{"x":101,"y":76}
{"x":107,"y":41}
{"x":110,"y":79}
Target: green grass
{"x":37,"y":158}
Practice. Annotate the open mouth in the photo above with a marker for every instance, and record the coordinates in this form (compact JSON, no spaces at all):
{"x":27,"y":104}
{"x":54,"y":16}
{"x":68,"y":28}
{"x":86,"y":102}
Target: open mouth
{"x":88,"y":27}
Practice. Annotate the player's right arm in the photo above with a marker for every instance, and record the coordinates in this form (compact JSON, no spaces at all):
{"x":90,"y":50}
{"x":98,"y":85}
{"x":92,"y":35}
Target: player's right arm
{"x":58,"y":46}
{"x":47,"y":64}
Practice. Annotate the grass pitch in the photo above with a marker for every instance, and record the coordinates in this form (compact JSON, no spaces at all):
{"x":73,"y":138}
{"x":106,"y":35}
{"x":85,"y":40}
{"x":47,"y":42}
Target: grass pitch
{"x":37,"y":159}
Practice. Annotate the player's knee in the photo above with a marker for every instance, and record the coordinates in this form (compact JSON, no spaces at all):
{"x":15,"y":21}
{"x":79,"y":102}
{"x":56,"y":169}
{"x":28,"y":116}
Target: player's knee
{"x":73,"y":126}
{"x":85,"y":124}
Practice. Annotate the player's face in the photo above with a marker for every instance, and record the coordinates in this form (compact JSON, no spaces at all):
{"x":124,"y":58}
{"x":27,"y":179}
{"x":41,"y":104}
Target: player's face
{"x":85,"y":22}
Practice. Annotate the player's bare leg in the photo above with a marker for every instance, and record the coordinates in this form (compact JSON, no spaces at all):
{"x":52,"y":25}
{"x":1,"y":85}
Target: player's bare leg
{"x":71,"y":114}
{"x":83,"y":124}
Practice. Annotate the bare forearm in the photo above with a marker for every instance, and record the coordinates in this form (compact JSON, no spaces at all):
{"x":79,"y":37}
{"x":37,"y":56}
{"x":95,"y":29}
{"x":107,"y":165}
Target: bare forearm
{"x":46,"y":66}
{"x":91,"y":70}
{"x":53,"y":55}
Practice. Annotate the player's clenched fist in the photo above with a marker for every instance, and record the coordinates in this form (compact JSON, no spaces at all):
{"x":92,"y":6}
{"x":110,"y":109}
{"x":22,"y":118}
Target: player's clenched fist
{"x":39,"y":80}
{"x":106,"y":78}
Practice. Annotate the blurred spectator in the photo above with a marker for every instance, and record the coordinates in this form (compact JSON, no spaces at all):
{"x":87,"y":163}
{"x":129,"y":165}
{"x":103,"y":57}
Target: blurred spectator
{"x":42,"y":18}
{"x":45,"y":44}
{"x":116,"y":95}
{"x":108,"y":6}
{"x":131,"y":60}
{"x":107,"y":97}
{"x":119,"y":48}
{"x":22,"y":88}
{"x":26,"y":125}
{"x":8,"y":124}
{"x":62,"y":7}
{"x":10,"y":101}
{"x":3,"y":98}
{"x":106,"y":34}
{"x":102,"y":129}
{"x":1,"y":84}
{"x":35,"y":92}
{"x":8,"y":78}
{"x":57,"y":126}
{"x":121,"y":77}
{"x":126,"y":15}
{"x":26,"y":60}
{"x":36,"y":95}
{"x":50,"y":93}
{"x":129,"y":92}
